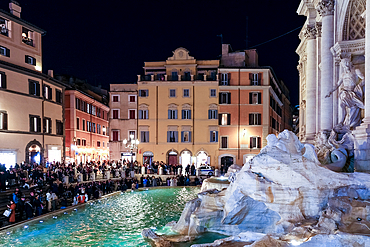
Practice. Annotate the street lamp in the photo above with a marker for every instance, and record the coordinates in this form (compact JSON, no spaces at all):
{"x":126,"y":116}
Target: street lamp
{"x":131,"y":144}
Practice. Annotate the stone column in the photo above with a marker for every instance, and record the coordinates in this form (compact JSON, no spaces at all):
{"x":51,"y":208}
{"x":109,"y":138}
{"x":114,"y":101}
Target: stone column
{"x":362,"y":133}
{"x":310,"y":34}
{"x":318,"y":76}
{"x":326,"y":10}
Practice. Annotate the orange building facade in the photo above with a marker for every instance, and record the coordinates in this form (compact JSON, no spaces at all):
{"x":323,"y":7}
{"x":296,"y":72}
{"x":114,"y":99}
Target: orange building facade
{"x":86,"y":128}
{"x":253,"y":103}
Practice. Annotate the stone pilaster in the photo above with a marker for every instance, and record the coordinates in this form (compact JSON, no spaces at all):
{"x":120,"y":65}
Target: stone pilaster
{"x":318,"y":76}
{"x":326,"y":9}
{"x":362,"y":133}
{"x":310,"y":33}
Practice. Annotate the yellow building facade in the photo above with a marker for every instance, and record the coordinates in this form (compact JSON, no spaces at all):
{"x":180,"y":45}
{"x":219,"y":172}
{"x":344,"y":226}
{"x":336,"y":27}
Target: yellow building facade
{"x":177,"y":111}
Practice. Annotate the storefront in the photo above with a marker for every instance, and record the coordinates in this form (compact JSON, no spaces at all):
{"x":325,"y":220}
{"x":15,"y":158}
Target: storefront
{"x":8,"y":157}
{"x":131,"y":157}
{"x":202,"y":158}
{"x":148,"y":157}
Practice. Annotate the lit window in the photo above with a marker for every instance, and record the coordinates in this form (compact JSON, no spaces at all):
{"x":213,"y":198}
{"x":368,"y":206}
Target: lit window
{"x":30,"y":60}
{"x":224,"y":119}
{"x":254,"y":98}
{"x":47,"y":125}
{"x":254,"y":119}
{"x":185,"y":136}
{"x":35,"y":123}
{"x":4,"y":29}
{"x":255,"y":142}
{"x":27,"y":36}
{"x":213,"y":136}
{"x":4,"y":51}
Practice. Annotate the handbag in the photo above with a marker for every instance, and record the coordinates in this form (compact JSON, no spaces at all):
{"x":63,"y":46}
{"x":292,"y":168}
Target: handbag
{"x":7,"y":212}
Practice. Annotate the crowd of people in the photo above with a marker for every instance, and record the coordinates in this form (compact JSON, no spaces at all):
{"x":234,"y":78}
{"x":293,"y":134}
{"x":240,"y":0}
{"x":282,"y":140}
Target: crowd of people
{"x":60,"y":185}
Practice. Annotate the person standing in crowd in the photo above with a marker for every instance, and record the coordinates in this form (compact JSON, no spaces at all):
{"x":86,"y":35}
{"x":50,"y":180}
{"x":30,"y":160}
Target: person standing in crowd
{"x":38,"y":206}
{"x":12,"y":207}
{"x":29,"y":209}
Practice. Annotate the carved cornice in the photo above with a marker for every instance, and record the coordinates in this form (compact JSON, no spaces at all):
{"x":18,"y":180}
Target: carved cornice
{"x":325,"y":7}
{"x":310,"y":32}
{"x":354,"y":47}
{"x":318,"y":29}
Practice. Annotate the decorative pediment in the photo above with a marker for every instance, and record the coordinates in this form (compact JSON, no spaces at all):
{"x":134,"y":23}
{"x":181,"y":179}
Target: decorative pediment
{"x":186,"y":106}
{"x":180,"y":54}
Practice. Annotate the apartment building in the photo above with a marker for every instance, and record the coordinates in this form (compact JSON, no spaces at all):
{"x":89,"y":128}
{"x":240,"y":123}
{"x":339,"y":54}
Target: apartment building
{"x":123,"y":121}
{"x":253,"y":103}
{"x":31,"y":103}
{"x":177,"y":110}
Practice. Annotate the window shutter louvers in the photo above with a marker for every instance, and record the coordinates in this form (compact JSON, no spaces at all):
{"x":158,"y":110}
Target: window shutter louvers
{"x":216,"y":136}
{"x":50,"y":127}
{"x":3,"y":80}
{"x":251,"y":142}
{"x":209,"y":114}
{"x":219,"y":98}
{"x":50,"y":94}
{"x":182,"y":136}
{"x":259,"y":98}
{"x":38,"y":124}
{"x":229,"y":98}
{"x":189,"y":114}
{"x":250,"y":119}
{"x":189,"y":136}
{"x":175,"y":114}
{"x":168,"y":136}
{"x":219,"y":119}
{"x":228,"y":78}
{"x":228,"y":119}
{"x":259,"y":78}
{"x":259,"y":142}
{"x":140,"y":114}
{"x":251,"y":78}
{"x":210,"y":136}
{"x":176,"y":135}
{"x":37,"y":89}
{"x":250,"y":98}
{"x":169,"y":114}
{"x":5,"y":121}
{"x":32,"y":127}
{"x":259,"y":119}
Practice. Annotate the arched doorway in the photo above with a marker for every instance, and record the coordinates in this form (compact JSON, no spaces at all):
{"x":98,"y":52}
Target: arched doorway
{"x":202,"y":159}
{"x":172,"y":157}
{"x":34,"y":152}
{"x":148,"y":157}
{"x":226,"y":162}
{"x":185,"y":159}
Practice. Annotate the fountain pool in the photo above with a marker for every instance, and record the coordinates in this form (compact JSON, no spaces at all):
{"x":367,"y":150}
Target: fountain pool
{"x":115,"y":221}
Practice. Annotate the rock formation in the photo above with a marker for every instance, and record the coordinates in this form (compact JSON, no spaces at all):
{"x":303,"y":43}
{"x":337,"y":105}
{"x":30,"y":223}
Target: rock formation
{"x":286,"y":193}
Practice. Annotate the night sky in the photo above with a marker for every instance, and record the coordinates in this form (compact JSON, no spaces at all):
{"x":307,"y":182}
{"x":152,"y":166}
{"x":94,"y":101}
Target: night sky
{"x":108,"y":41}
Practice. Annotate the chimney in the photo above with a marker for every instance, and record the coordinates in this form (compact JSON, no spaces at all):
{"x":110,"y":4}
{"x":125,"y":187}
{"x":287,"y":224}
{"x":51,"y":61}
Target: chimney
{"x":51,"y":73}
{"x":251,"y":58}
{"x":15,"y":8}
{"x":226,"y":48}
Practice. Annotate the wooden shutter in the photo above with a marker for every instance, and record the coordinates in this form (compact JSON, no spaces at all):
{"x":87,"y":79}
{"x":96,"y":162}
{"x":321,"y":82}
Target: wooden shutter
{"x":219,"y":98}
{"x":209,"y":114}
{"x":44,"y":125}
{"x":189,"y":136}
{"x":183,"y":114}
{"x":229,"y":98}
{"x":259,"y":119}
{"x":32,"y":125}
{"x":182,"y":136}
{"x":38,"y":124}
{"x":5,"y":121}
{"x":250,"y":98}
{"x":175,"y":114}
{"x":228,"y":119}
{"x":37,"y":88}
{"x":216,"y":136}
{"x":219,"y":119}
{"x":251,"y":78}
{"x":250,"y":119}
{"x":259,"y":98}
{"x":189,"y":111}
{"x":3,"y":80}
{"x":176,"y":135}
{"x":168,"y":136}
{"x":169,"y":114}
{"x":228,"y":78}
{"x":210,"y":136}
{"x":31,"y":88}
{"x":259,"y":78}
{"x":50,"y":96}
{"x":251,"y":142}
{"x":49,"y":126}
{"x":258,"y":142}
{"x":140,"y":114}
{"x":26,"y":59}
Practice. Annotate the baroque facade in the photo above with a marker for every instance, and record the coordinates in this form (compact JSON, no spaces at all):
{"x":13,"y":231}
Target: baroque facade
{"x":333,"y":81}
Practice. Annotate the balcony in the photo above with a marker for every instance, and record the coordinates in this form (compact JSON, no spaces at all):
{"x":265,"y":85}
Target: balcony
{"x":3,"y":30}
{"x":27,"y":41}
{"x":163,"y":77}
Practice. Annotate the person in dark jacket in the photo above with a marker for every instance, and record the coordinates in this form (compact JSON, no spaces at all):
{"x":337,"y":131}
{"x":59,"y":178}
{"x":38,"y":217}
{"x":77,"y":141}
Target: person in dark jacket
{"x":29,"y":209}
{"x":38,"y":206}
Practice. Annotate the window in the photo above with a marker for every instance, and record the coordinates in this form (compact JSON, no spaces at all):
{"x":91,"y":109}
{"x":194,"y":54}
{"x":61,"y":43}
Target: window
{"x":83,"y":142}
{"x":255,"y":79}
{"x":2,"y":80}
{"x":254,"y":98}
{"x":98,"y":129}
{"x":144,"y":136}
{"x":48,"y":93}
{"x":115,"y":114}
{"x":35,"y":123}
{"x":98,"y":144}
{"x":132,"y":98}
{"x":78,"y":123}
{"x":115,"y":98}
{"x":104,"y":130}
{"x":115,"y":134}
{"x":172,"y":136}
{"x":103,"y":144}
{"x":185,"y":136}
{"x":3,"y":120}
{"x":132,"y":114}
{"x":132,"y":133}
{"x":78,"y":143}
{"x":58,"y":96}
{"x":59,"y":126}
{"x":27,"y":36}
{"x":4,"y":51}
{"x":174,"y":76}
{"x":88,"y":108}
{"x":30,"y":60}
{"x":213,"y":93}
{"x":4,"y":29}
{"x":224,"y":119}
{"x":225,"y":79}
{"x":223,"y":141}
{"x":47,"y":125}
{"x":186,"y":114}
{"x":172,"y":114}
{"x":144,"y":93}
{"x":213,"y":136}
{"x":93,"y":110}
{"x":143,"y":114}
{"x":186,"y":93}
{"x":93,"y":127}
{"x":254,"y":119}
{"x":255,"y":142}
{"x":225,"y":98}
{"x":83,"y":124}
{"x":34,"y":88}
{"x":212,"y":114}
{"x":172,"y":92}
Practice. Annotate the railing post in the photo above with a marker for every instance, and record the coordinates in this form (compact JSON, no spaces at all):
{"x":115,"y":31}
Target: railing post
{"x":138,"y":77}
{"x":179,"y":77}
{"x":165,"y":77}
{"x":204,"y":77}
{"x":152,"y":77}
{"x":192,"y":77}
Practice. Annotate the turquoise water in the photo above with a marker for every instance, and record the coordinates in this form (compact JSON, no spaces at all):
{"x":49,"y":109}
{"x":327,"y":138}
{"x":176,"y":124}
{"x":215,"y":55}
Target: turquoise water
{"x":115,"y":221}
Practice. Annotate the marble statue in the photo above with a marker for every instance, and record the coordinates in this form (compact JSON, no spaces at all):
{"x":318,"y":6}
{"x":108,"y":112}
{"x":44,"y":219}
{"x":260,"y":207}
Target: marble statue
{"x":351,"y":94}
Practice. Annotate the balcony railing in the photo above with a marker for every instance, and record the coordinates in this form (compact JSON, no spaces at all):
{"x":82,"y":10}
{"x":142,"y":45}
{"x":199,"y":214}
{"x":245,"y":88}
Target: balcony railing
{"x":163,"y":77}
{"x":27,"y":41}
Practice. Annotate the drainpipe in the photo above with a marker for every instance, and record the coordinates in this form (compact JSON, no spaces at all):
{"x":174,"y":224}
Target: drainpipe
{"x":42,"y":122}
